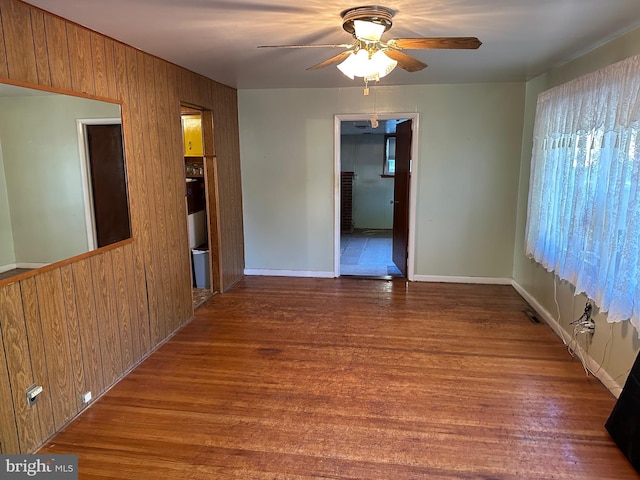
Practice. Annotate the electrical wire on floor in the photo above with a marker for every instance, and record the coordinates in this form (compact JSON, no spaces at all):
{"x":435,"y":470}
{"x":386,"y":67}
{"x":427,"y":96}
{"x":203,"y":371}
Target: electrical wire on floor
{"x":615,"y":379}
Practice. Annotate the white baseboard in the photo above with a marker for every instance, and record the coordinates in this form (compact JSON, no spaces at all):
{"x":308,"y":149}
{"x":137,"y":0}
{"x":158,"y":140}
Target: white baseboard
{"x":447,"y":279}
{"x":593,"y":366}
{"x":7,"y":267}
{"x":288,"y":273}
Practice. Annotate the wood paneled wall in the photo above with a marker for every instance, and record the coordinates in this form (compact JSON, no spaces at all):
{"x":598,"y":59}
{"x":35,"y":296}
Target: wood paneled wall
{"x":81,"y":325}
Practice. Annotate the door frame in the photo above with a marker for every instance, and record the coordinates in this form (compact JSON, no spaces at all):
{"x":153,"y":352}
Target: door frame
{"x":413,"y":183}
{"x":210,"y":164}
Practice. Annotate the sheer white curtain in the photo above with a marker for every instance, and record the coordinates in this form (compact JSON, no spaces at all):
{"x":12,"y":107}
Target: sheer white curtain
{"x":584,"y":199}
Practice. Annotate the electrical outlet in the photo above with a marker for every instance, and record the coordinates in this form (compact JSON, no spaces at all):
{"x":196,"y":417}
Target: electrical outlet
{"x":86,"y":397}
{"x":32,"y":393}
{"x":585,"y":324}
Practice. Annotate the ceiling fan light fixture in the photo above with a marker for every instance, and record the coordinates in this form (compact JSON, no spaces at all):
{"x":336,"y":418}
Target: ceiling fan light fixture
{"x":382,"y":64}
{"x":360,"y":65}
{"x":353,"y":65}
{"x":368,"y":31}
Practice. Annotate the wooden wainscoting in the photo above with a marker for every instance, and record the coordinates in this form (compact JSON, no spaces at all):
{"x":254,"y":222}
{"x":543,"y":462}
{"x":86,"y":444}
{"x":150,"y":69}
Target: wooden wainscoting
{"x":81,"y":325}
{"x":353,"y":379}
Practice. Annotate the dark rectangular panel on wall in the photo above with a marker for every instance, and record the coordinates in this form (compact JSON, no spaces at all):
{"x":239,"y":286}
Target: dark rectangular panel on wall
{"x":89,"y":319}
{"x":346,"y":202}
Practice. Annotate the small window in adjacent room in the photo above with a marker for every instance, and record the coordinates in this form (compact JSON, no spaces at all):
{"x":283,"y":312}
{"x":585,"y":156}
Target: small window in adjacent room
{"x":389,"y":165}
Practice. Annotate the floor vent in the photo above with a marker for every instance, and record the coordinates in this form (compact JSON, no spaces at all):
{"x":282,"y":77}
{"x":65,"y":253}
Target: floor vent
{"x":531,"y":315}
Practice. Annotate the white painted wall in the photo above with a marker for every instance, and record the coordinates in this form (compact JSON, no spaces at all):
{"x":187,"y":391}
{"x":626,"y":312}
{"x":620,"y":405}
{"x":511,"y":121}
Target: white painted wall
{"x":363,"y":155}
{"x":469,"y":155}
{"x":42,"y":168}
{"x":614,"y":347}
{"x":7,"y":254}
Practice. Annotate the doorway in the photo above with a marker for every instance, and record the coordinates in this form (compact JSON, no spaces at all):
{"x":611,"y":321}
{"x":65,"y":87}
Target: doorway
{"x":375,"y":195}
{"x":201,"y":208}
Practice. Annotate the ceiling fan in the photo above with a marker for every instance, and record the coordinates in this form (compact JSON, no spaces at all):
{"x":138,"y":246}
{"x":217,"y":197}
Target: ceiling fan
{"x":370,"y":57}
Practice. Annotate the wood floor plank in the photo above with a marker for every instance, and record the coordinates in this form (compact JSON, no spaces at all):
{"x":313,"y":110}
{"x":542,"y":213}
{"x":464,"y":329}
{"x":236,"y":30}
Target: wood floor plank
{"x":353,"y":379}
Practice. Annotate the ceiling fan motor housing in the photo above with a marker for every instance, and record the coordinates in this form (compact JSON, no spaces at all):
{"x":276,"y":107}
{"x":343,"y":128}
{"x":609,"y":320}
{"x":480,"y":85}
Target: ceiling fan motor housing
{"x":372,"y":13}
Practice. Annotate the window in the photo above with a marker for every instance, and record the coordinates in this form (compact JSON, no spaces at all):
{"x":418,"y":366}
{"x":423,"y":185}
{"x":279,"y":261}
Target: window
{"x":389,"y":161}
{"x":584,"y":196}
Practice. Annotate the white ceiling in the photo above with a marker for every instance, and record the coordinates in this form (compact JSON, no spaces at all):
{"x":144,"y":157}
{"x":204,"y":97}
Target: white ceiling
{"x":218,"y":38}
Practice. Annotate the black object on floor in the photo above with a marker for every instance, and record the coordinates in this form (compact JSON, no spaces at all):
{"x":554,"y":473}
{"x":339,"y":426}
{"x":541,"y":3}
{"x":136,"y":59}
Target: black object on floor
{"x":624,"y":422}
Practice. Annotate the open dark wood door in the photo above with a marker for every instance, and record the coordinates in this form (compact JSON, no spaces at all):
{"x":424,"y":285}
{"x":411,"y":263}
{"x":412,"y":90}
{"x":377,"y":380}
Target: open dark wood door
{"x":108,"y":183}
{"x":401,"y":195}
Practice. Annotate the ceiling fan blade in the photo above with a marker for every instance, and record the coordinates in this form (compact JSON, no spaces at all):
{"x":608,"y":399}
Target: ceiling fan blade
{"x":405,"y":62}
{"x":313,"y":45}
{"x":437,"y":42}
{"x":331,"y":61}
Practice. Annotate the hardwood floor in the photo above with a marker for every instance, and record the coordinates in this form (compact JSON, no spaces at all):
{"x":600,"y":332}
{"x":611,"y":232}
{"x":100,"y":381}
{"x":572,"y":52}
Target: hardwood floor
{"x":286,"y":378}
{"x":13,"y":272}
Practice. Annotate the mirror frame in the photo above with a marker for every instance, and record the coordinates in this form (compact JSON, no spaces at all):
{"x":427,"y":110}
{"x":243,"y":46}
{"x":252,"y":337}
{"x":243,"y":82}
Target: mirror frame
{"x":97,"y":251}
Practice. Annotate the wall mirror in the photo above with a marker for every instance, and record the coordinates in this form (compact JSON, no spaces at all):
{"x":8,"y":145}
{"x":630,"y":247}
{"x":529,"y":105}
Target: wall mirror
{"x":63,"y":189}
